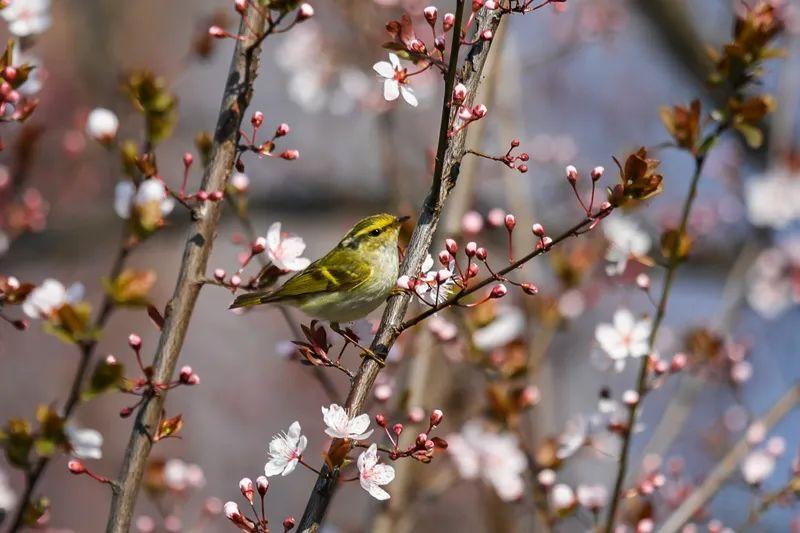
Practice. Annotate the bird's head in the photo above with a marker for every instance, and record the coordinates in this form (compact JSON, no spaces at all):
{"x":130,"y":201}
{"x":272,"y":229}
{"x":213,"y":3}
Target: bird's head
{"x":374,"y":232}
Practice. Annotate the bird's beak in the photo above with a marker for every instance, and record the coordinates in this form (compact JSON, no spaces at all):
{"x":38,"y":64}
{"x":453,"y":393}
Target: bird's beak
{"x":400,"y":220}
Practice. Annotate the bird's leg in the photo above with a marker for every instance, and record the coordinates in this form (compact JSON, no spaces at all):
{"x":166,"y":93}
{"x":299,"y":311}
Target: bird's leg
{"x":365,"y":352}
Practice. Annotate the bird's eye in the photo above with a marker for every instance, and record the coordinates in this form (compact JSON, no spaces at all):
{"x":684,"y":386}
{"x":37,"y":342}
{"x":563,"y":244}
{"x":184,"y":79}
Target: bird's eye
{"x":375,"y":232}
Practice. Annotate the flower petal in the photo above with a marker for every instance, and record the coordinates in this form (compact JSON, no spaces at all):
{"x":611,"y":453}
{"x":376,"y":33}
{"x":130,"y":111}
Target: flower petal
{"x":384,"y":69}
{"x":391,"y":90}
{"x":408,"y":95}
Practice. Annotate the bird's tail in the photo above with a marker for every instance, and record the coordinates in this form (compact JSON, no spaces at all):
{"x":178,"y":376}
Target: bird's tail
{"x":250,"y":299}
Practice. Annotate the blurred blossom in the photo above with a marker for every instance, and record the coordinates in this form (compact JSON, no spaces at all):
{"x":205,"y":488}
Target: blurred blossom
{"x":574,"y":436}
{"x":285,"y":250}
{"x":472,"y":223}
{"x":27,"y":17}
{"x":36,"y":76}
{"x":741,"y":372}
{"x":757,"y":466}
{"x":774,"y":279}
{"x":372,"y":474}
{"x":506,"y":327}
{"x":735,"y":418}
{"x":626,"y":337}
{"x":240,"y":181}
{"x":341,"y":426}
{"x":102,"y":124}
{"x":626,"y":240}
{"x":443,"y":329}
{"x":150,"y":192}
{"x":285,"y":450}
{"x":562,"y":497}
{"x":180,"y":476}
{"x":494,"y":457}
{"x":395,"y":83}
{"x":48,"y":297}
{"x":8,"y":498}
{"x":315,"y":82}
{"x":85,"y":443}
{"x":773,"y":198}
{"x":572,"y":303}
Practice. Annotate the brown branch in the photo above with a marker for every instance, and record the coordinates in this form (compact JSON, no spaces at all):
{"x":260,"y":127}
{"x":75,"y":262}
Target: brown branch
{"x":86,"y":349}
{"x":449,"y":153}
{"x":236,"y":98}
{"x":728,"y":465}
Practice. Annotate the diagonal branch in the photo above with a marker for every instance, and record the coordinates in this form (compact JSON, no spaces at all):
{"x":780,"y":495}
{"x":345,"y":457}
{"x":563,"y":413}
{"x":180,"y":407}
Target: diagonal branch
{"x":235,"y":100}
{"x":450,"y":151}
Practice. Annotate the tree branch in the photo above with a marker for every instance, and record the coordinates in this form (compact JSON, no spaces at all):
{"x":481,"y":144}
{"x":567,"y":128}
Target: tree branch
{"x":449,"y":153}
{"x":236,"y":98}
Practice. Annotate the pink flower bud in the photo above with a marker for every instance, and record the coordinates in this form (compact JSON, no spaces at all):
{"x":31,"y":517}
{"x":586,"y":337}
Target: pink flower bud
{"x":597,"y":173}
{"x":448,"y":21}
{"x":217,"y":32}
{"x":487,"y":35}
{"x":219,"y":274}
{"x":231,"y":510}
{"x":305,"y":12}
{"x":459,"y":93}
{"x":236,"y":280}
{"x":10,"y":73}
{"x":514,"y":143}
{"x":523,"y":168}
{"x":246,"y":486}
{"x":477,"y":4}
{"x":529,"y":396}
{"x":439,"y":43}
{"x":479,"y":111}
{"x":125,"y":412}
{"x":495,"y":217}
{"x":443,"y":275}
{"x":661,"y":367}
{"x":404,"y":282}
{"x":134,"y":341}
{"x":572,"y":174}
{"x":262,"y":485}
{"x":397,"y":428}
{"x":259,"y":245}
{"x":185,"y":373}
{"x":240,"y":6}
{"x":510,"y":222}
{"x":288,"y":523}
{"x":431,"y":13}
{"x":471,"y":248}
{"x":498,"y":291}
{"x":436,"y":417}
{"x":546,"y":477}
{"x":380,"y":419}
{"x":643,"y":281}
{"x":524,"y":156}
{"x":630,"y":398}
{"x":422,"y":438}
{"x":187,"y":159}
{"x":471,"y":222}
{"x":481,"y":253}
{"x":215,"y":196}
{"x":282,"y":130}
{"x":679,"y":362}
{"x":257,"y":119}
{"x":530,"y":288}
{"x":472,"y":270}
{"x":538,"y":230}
{"x":290,"y":155}
{"x":490,"y":4}
{"x":451,"y":245}
{"x":444,"y":257}
{"x":202,"y":195}
{"x":76,"y":467}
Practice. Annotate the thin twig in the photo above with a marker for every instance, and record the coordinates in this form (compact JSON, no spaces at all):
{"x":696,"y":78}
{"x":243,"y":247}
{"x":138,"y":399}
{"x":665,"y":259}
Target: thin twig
{"x":236,"y":98}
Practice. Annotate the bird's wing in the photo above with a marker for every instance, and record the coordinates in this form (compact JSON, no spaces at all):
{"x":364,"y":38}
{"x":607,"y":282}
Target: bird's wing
{"x":318,"y":277}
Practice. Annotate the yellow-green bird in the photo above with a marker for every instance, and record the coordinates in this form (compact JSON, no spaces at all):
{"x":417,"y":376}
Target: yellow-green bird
{"x":349,"y":281}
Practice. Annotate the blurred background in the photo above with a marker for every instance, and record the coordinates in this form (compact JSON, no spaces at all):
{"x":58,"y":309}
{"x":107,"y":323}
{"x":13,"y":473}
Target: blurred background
{"x":577,"y":84}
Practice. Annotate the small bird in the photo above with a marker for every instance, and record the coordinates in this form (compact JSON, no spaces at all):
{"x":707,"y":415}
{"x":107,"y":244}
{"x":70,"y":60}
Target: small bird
{"x":349,"y":281}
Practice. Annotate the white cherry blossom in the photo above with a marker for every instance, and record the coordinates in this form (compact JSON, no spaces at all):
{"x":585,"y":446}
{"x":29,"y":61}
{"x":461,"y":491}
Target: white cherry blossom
{"x":285,"y":450}
{"x":626,"y":337}
{"x":396,"y":80}
{"x":372,"y":474}
{"x":102,"y":124}
{"x":152,"y":190}
{"x":85,"y":443}
{"x":341,"y":426}
{"x":285,"y":250}
{"x":48,"y":297}
{"x":27,"y":17}
{"x":626,"y":240}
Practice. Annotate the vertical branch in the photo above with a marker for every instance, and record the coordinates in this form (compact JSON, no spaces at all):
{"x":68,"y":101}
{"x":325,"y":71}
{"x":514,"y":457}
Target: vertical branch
{"x":236,"y":98}
{"x":449,"y":152}
{"x":641,"y":385}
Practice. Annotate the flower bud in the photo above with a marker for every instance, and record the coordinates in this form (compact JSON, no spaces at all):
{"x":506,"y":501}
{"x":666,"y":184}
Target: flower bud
{"x":451,"y":245}
{"x":643,"y":281}
{"x":678,"y":363}
{"x":202,"y":195}
{"x":257,"y":119}
{"x":546,"y":477}
{"x":10,"y":73}
{"x":630,"y":398}
{"x":481,"y":253}
{"x":448,"y":21}
{"x":422,"y":438}
{"x":538,"y":230}
{"x":487,"y":35}
{"x":262,"y":485}
{"x":459,"y":93}
{"x":188,"y":159}
{"x":524,"y":156}
{"x":76,"y":467}
{"x":472,"y":270}
{"x":443,"y":275}
{"x":305,"y":12}
{"x":380,"y":419}
{"x":530,"y":288}
{"x":240,"y":6}
{"x":125,"y":412}
{"x":217,"y":32}
{"x":219,"y":274}
{"x":101,"y":124}
{"x":523,"y":168}
{"x":288,"y":523}
{"x":431,"y":13}
{"x":444,"y":257}
{"x":436,"y":417}
{"x":397,"y":428}
{"x":477,"y":4}
{"x":290,"y":155}
{"x":572,"y":174}
{"x":498,"y":291}
{"x":471,"y":248}
{"x":246,"y":486}
{"x":185,"y":373}
{"x":510,"y":222}
{"x":529,"y":396}
{"x":597,"y":173}
{"x":134,"y":341}
{"x":282,"y":129}
{"x":479,"y":111}
{"x":259,"y":245}
{"x":236,"y":280}
{"x":215,"y":196}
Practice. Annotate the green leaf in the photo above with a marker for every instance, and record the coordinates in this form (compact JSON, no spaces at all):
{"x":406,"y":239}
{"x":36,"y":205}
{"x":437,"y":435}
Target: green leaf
{"x":106,"y":376}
